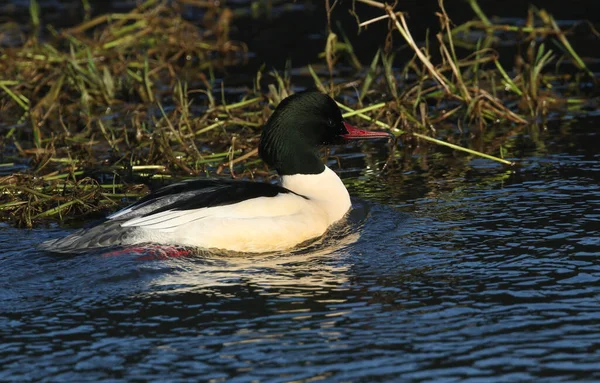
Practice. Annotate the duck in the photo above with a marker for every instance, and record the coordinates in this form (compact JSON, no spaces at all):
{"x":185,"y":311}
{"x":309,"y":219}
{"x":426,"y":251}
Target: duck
{"x":243,"y":215}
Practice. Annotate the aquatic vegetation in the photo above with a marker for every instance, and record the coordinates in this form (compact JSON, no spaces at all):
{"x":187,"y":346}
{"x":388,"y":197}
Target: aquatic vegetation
{"x":91,"y":111}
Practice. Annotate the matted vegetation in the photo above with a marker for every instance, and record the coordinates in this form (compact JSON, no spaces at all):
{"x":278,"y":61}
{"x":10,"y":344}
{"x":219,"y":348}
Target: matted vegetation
{"x":87,"y":109}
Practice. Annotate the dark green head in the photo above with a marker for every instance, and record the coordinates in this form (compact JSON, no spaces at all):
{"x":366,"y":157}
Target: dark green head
{"x":298,"y":126}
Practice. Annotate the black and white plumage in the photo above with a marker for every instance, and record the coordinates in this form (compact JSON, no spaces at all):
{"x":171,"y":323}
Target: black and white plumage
{"x":244,"y":216}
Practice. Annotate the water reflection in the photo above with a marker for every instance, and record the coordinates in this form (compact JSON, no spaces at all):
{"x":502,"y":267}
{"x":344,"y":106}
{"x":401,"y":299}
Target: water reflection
{"x":316,"y":267}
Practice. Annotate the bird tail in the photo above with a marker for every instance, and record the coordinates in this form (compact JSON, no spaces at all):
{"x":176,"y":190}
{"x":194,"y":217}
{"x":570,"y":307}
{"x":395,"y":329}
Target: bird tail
{"x":108,"y":234}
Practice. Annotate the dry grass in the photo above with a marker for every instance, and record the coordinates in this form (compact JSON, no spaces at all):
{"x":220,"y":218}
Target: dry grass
{"x":122,"y":98}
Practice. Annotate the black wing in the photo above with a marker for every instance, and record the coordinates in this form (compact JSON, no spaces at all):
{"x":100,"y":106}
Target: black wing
{"x":196,"y":194}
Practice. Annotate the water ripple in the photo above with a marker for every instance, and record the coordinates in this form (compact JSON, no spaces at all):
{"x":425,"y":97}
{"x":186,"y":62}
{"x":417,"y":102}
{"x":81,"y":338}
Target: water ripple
{"x":483,"y":278}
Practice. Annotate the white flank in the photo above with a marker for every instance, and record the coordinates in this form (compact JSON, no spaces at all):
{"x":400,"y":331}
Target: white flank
{"x":256,"y":225}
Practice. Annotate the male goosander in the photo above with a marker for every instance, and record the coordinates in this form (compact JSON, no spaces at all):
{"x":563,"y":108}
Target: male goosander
{"x":244,"y":216}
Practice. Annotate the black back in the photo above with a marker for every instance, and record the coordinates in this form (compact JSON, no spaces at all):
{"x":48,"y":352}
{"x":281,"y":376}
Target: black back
{"x":200,"y":193}
{"x":295,"y":130}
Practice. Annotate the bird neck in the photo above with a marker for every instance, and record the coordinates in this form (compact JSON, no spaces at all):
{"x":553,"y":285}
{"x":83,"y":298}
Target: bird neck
{"x":290,"y":156}
{"x":325,"y":188}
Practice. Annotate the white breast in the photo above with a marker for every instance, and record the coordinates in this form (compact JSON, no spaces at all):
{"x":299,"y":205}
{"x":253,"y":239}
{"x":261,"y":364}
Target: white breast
{"x":325,"y":189}
{"x":256,"y":225}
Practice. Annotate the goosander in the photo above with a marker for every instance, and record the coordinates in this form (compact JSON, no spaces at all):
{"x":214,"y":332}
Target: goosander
{"x":244,"y":216}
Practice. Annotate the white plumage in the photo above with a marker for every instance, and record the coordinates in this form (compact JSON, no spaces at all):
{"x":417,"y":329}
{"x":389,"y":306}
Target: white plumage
{"x":255,"y":225}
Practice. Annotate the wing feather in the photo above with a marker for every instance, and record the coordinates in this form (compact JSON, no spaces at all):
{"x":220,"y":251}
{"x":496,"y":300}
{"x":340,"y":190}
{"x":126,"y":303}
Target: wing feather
{"x":175,"y":218}
{"x":197,"y":194}
{"x":187,"y":201}
{"x":152,"y":218}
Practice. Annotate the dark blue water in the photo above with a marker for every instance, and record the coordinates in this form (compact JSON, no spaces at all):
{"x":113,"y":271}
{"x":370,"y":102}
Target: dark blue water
{"x":462,"y":270}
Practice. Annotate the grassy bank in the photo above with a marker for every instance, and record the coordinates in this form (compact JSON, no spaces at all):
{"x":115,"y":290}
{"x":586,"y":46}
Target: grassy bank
{"x":91,"y":110}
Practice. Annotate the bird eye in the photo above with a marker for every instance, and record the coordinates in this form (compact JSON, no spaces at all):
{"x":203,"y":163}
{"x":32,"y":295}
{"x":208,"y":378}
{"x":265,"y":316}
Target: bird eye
{"x":330,"y":122}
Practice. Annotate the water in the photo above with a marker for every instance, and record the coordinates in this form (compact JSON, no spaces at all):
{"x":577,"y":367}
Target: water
{"x":461,"y":271}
